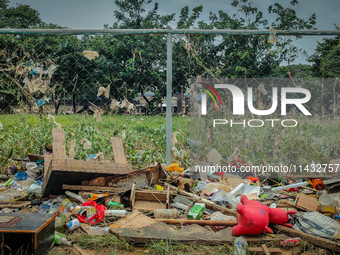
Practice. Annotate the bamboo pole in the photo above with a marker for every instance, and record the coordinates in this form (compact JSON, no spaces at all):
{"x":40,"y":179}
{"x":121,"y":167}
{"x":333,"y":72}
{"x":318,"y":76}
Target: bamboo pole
{"x":199,"y":222}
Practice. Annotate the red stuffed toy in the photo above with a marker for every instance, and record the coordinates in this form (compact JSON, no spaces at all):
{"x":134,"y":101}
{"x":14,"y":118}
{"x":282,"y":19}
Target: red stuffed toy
{"x":276,"y":215}
{"x":254,"y":217}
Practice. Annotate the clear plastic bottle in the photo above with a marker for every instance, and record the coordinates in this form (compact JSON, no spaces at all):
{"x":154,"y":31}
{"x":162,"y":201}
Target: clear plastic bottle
{"x":181,"y":206}
{"x":66,"y":203}
{"x":117,"y":213}
{"x":241,"y":246}
{"x":97,"y":231}
{"x":75,"y":196}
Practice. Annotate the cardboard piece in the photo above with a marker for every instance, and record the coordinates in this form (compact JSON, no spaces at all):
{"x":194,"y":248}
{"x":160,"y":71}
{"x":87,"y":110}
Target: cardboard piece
{"x":306,"y":203}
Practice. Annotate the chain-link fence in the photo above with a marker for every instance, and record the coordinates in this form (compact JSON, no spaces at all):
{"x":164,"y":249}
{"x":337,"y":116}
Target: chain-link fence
{"x":146,"y":72}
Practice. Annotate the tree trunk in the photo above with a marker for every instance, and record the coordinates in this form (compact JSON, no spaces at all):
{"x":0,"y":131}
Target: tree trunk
{"x":74,"y":102}
{"x":57,"y":105}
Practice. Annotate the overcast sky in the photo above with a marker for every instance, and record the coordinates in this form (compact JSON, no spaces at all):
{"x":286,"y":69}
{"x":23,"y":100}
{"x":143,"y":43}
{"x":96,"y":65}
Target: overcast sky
{"x":94,"y":14}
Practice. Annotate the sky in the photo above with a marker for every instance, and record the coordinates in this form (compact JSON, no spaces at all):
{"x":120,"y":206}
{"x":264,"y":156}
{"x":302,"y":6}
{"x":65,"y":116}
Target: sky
{"x":94,"y":14}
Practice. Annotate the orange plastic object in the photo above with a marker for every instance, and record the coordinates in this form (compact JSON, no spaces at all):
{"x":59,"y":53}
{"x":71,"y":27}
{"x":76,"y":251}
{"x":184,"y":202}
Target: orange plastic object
{"x":174,"y":168}
{"x":253,"y":179}
{"x":317,"y":184}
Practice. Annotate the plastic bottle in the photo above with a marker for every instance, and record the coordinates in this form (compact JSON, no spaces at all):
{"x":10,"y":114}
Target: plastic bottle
{"x":97,"y":231}
{"x":96,"y":196}
{"x":241,"y":246}
{"x":181,"y":206}
{"x":291,"y":242}
{"x":61,"y":239}
{"x":75,"y":196}
{"x":112,"y":203}
{"x":117,"y":213}
{"x":73,"y":224}
{"x":55,"y":208}
{"x":66,"y":203}
{"x":166,"y":213}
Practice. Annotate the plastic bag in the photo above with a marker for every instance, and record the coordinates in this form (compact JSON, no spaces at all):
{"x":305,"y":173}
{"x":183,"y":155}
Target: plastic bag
{"x":221,"y":217}
{"x":317,"y":224}
{"x":97,"y":217}
{"x":200,"y":186}
{"x":222,"y":196}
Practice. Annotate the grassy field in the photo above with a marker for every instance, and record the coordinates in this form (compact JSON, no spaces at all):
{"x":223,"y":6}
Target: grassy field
{"x":145,"y":141}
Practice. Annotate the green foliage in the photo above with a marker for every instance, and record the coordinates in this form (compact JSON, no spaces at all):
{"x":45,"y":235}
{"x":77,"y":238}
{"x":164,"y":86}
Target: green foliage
{"x":145,"y":141}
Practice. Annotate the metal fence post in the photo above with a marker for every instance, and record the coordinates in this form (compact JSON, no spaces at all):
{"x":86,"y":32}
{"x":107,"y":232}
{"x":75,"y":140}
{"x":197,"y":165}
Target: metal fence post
{"x":168,"y":97}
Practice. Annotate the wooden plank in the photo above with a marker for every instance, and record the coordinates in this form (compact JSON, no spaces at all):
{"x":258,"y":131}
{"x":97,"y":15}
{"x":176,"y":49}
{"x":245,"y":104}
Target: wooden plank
{"x":89,"y":166}
{"x":151,"y":195}
{"x":118,"y":150}
{"x":322,"y":242}
{"x":168,"y":198}
{"x":259,"y":250}
{"x":265,"y":249}
{"x":199,"y":222}
{"x":148,"y":205}
{"x":92,"y":188}
{"x":133,"y":195}
{"x":47,"y":162}
{"x":58,"y":144}
{"x":80,"y":250}
{"x":47,"y":171}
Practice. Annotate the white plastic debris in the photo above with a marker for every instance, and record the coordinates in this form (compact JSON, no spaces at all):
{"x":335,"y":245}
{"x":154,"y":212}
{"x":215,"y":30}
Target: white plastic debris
{"x":1,"y":126}
{"x":104,"y":91}
{"x":49,"y":116}
{"x":86,"y":144}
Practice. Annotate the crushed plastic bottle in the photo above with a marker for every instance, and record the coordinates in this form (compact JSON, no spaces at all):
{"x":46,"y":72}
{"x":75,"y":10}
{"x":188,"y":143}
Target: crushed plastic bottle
{"x":65,"y":203}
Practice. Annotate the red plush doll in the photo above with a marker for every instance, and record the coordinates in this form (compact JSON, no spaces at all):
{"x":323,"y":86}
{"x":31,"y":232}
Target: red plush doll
{"x":254,"y":217}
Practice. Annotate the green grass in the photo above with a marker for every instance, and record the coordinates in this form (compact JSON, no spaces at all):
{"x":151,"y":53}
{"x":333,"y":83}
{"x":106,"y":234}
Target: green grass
{"x":145,"y":141}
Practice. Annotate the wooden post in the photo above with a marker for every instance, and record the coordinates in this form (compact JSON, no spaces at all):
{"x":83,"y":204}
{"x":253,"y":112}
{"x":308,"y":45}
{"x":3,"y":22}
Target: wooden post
{"x":118,"y":150}
{"x":58,"y":144}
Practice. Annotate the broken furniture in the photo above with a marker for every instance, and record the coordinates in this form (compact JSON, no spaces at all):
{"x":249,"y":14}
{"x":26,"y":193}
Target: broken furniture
{"x":26,"y":233}
{"x":59,"y":170}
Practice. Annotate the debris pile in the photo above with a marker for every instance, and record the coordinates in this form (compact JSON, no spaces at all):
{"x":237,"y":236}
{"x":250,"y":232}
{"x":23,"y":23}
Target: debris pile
{"x":97,"y":197}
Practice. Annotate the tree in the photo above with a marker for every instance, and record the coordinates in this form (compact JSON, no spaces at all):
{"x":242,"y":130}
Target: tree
{"x":325,"y":58}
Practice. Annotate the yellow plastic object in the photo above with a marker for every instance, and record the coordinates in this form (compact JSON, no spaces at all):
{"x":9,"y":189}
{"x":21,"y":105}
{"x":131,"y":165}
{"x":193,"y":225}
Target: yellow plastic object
{"x":174,"y":168}
{"x":158,"y":187}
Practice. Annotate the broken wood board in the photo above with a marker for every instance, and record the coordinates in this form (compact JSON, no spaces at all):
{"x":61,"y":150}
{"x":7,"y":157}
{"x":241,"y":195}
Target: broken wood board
{"x":34,"y":157}
{"x":14,"y":205}
{"x":73,"y":172}
{"x":92,"y":188}
{"x":58,"y":144}
{"x":259,"y":250}
{"x":118,"y":150}
{"x":148,"y":205}
{"x":143,"y":177}
{"x":321,"y":242}
{"x":137,"y":227}
{"x":151,"y":195}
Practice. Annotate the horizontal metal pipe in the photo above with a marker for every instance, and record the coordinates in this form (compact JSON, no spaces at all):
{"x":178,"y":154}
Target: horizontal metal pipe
{"x":165,"y":31}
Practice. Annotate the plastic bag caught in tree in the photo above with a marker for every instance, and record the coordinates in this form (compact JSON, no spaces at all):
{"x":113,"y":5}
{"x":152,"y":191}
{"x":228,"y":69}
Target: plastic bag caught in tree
{"x":35,"y":85}
{"x":89,"y":54}
{"x":49,"y":116}
{"x":104,"y":91}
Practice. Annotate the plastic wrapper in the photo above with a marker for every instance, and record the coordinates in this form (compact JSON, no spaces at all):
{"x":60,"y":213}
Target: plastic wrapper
{"x":104,"y":91}
{"x":218,"y":216}
{"x":223,"y":196}
{"x":200,"y":186}
{"x":317,"y":224}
